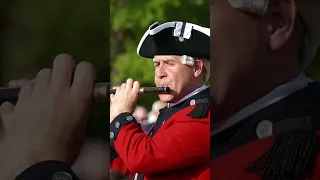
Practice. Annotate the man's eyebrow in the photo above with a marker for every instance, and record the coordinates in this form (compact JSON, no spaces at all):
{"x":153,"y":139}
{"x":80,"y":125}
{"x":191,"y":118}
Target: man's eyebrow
{"x":165,"y":59}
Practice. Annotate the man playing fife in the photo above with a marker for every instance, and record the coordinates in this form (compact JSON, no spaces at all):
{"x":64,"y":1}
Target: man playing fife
{"x":177,"y":146}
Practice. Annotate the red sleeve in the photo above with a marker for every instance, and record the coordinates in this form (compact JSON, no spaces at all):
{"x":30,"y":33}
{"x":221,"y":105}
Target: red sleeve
{"x":181,"y":142}
{"x":118,"y":165}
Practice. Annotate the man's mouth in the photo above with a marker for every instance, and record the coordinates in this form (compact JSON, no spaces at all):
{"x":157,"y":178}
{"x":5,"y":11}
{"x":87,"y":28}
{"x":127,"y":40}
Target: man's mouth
{"x":164,"y":85}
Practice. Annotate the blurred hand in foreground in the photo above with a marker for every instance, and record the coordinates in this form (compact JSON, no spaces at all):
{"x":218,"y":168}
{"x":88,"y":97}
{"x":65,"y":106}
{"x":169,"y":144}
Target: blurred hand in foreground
{"x":48,"y":121}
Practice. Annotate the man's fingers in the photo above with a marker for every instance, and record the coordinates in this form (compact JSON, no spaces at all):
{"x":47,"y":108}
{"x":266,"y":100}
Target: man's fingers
{"x":129,"y":84}
{"x":62,"y":73}
{"x":42,"y":81}
{"x":83,"y":81}
{"x":25,"y":92}
{"x":18,"y":83}
{"x":117,"y":90}
{"x":136,"y":87}
{"x":123,"y":86}
{"x":111,"y":97}
{"x":6,"y":108}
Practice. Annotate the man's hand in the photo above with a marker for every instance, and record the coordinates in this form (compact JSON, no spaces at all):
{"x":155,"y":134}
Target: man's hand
{"x":19,"y":83}
{"x":125,"y":99}
{"x":49,"y":119}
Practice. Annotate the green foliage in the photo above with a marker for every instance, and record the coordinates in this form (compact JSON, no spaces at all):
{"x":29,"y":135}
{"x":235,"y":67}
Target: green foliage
{"x":130,"y":65}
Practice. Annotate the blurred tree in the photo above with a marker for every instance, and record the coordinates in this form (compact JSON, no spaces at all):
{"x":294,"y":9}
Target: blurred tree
{"x":130,"y":20}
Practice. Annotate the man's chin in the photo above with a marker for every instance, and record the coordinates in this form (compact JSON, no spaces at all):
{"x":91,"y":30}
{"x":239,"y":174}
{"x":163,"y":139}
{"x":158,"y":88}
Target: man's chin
{"x":166,"y":98}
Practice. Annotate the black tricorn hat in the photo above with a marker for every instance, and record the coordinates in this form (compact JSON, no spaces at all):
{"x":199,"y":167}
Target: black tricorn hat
{"x":175,"y":38}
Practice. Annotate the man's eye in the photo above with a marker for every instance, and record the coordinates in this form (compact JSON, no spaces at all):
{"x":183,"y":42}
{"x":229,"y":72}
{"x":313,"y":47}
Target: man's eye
{"x":155,"y":64}
{"x":170,"y":63}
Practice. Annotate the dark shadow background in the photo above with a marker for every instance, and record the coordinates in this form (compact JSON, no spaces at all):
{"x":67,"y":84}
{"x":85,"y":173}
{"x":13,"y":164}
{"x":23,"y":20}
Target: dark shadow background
{"x":33,"y":32}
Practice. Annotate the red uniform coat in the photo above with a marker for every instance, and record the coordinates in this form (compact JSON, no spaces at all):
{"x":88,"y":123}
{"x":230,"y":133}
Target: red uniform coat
{"x":231,"y":166}
{"x":179,"y":150}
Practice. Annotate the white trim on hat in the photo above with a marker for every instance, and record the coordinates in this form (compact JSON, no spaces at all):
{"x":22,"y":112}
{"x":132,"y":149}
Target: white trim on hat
{"x":146,"y":34}
{"x":157,"y":29}
{"x":152,"y":31}
{"x":162,"y":27}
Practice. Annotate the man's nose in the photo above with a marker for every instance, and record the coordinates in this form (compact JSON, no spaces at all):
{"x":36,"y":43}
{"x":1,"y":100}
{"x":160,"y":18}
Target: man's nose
{"x":161,"y":72}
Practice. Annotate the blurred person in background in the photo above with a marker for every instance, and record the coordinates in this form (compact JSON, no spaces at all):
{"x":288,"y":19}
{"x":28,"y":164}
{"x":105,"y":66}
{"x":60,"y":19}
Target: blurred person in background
{"x":93,"y":161}
{"x":266,"y":116}
{"x":141,"y":115}
{"x":154,"y":113}
{"x":177,"y":147}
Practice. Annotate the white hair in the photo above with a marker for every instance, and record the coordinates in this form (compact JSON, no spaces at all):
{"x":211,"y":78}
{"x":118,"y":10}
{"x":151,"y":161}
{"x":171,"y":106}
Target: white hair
{"x":252,"y":6}
{"x":206,"y":73}
{"x":189,"y":61}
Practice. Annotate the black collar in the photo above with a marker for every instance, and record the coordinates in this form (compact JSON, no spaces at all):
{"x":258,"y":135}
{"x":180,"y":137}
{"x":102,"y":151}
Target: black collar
{"x":166,"y":113}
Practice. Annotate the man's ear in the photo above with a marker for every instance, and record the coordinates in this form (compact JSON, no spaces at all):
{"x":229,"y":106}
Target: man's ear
{"x":198,"y":68}
{"x":281,"y":22}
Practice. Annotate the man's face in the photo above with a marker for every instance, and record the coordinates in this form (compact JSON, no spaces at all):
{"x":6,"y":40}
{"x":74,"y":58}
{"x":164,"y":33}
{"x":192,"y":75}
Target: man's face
{"x":170,"y":72}
{"x":234,"y":44}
